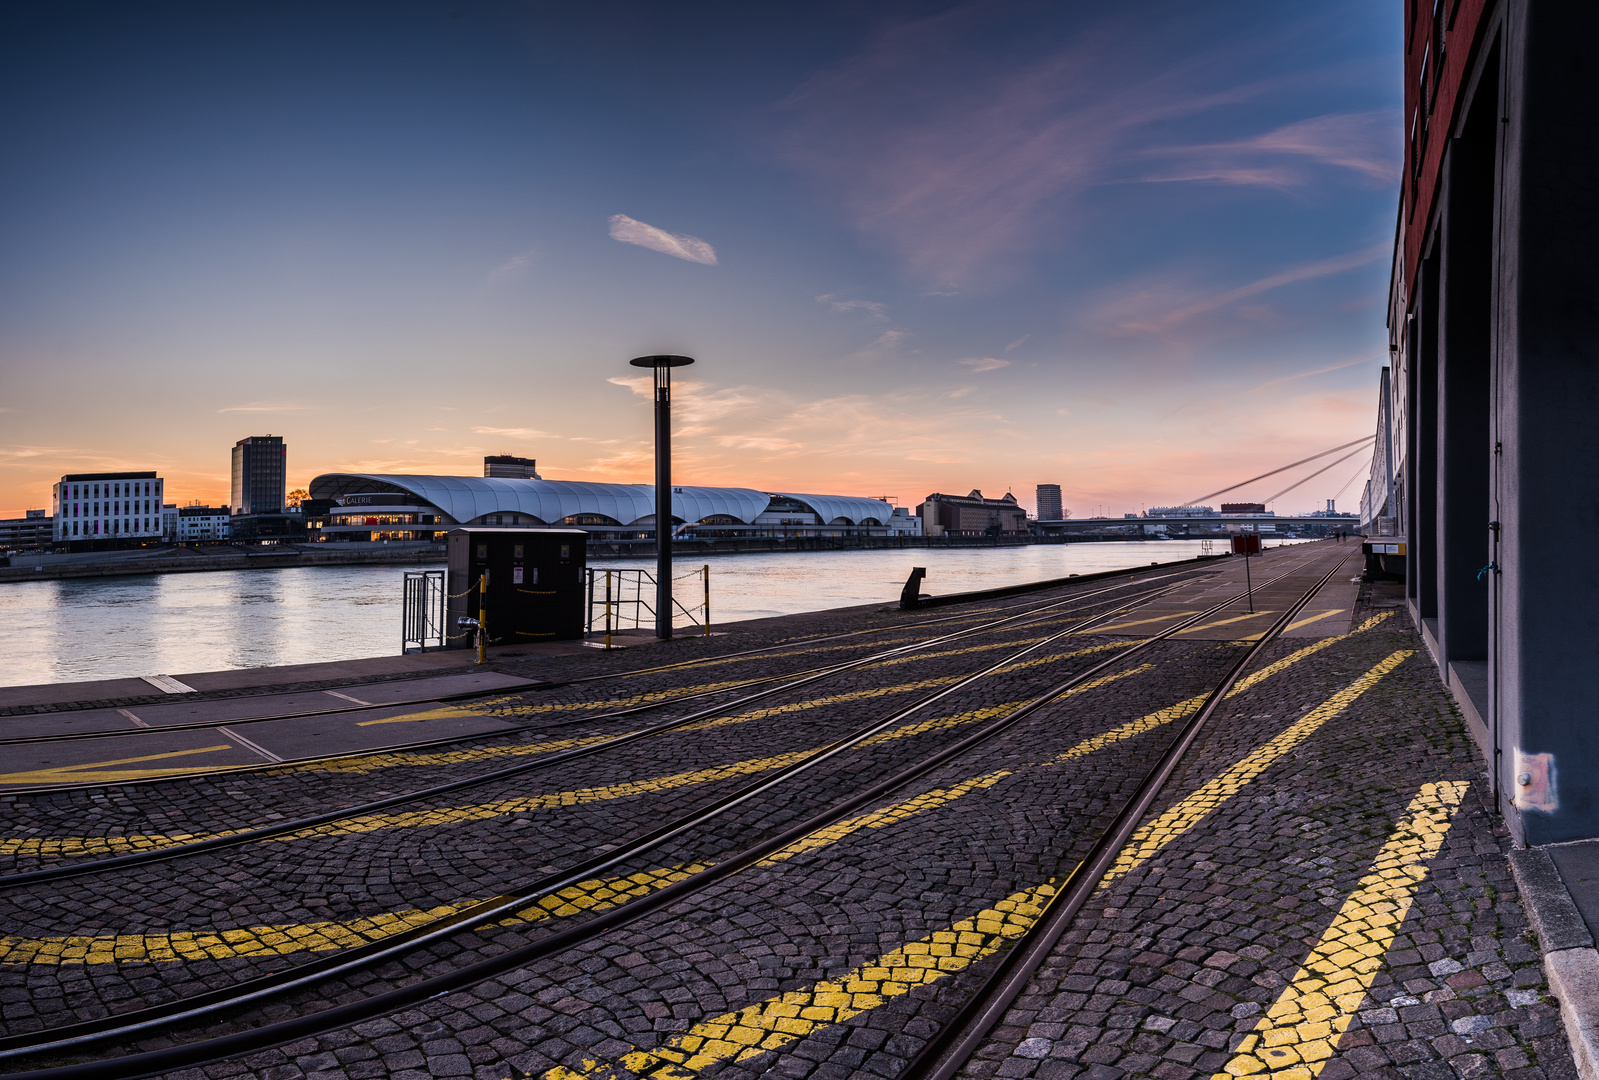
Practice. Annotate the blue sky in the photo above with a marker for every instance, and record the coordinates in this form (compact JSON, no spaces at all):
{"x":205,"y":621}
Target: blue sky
{"x":1140,"y":250}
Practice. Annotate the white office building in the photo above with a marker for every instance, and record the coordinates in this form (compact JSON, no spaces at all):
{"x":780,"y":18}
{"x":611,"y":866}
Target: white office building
{"x":200,"y":524}
{"x":103,"y":510}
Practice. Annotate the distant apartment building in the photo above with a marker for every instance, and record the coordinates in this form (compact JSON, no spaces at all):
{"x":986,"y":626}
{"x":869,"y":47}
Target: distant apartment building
{"x":1182,"y":511}
{"x":94,"y":511}
{"x":260,"y":475}
{"x":1049,"y":508}
{"x":203,"y":524}
{"x":31,"y":532}
{"x":971,"y":515}
{"x":511,"y":468}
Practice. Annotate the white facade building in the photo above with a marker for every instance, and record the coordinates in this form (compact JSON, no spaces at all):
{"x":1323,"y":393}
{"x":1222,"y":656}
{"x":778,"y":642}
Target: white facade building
{"x":107,"y":509}
{"x":197,"y":524}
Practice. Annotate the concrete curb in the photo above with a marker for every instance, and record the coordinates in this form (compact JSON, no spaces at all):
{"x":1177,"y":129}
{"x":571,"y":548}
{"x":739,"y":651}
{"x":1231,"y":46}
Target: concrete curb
{"x":1570,"y":961}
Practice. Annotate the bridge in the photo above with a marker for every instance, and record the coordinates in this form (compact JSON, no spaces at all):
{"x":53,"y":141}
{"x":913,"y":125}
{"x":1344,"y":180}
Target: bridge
{"x":1193,"y":525}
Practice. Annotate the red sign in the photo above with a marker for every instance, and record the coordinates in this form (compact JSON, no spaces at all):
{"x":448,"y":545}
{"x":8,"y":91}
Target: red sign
{"x":1246,"y":544}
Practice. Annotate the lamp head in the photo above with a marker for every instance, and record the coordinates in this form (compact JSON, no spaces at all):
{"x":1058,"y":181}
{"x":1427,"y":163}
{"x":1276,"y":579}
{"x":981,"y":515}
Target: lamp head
{"x":662,"y":361}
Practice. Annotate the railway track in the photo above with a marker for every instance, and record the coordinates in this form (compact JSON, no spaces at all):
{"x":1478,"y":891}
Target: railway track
{"x":668,"y":889}
{"x":131,"y":739}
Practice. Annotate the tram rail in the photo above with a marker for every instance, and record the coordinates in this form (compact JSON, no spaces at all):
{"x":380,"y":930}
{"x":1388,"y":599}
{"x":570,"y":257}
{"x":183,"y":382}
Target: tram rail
{"x":64,"y":871}
{"x":62,"y":1040}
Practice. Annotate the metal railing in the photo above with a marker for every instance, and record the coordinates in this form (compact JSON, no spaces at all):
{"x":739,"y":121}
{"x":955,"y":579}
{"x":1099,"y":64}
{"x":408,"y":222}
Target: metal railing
{"x":422,"y":611}
{"x":624,"y":600}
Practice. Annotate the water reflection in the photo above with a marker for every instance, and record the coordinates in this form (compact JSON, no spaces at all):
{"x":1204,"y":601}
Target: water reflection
{"x":101,"y":628}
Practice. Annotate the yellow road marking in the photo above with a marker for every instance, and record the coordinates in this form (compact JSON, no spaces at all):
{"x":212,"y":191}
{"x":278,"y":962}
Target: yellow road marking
{"x":1156,"y":834}
{"x":1296,"y":1037}
{"x":1137,"y":622}
{"x":71,"y":774}
{"x":284,"y":939}
{"x":1184,"y":708}
{"x":782,"y":1020}
{"x":779,"y":1021}
{"x":447,"y":712}
{"x":1301,"y":622}
{"x":51,"y":846}
{"x":1224,"y":622}
{"x":321,"y":936}
{"x":751,"y":766}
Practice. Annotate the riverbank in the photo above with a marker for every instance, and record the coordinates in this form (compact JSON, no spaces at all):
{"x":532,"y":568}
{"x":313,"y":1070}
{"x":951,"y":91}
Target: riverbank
{"x":187,"y":560}
{"x":192,"y":560}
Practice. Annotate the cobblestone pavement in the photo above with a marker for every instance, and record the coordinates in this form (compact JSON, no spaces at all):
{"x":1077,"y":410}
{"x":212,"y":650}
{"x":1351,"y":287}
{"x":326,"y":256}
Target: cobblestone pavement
{"x":1280,"y":877}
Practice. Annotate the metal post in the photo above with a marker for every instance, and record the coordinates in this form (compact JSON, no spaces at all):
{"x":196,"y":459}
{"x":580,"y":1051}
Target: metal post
{"x":707,"y":617}
{"x":483,"y":618}
{"x":662,"y":366}
{"x":607,"y":609}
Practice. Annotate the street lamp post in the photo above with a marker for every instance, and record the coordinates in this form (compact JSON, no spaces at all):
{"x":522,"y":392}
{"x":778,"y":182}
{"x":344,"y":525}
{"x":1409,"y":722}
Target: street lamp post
{"x":662,"y":366}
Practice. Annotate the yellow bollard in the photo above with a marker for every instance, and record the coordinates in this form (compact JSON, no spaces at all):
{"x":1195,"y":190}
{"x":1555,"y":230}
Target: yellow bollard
{"x":483,"y":618}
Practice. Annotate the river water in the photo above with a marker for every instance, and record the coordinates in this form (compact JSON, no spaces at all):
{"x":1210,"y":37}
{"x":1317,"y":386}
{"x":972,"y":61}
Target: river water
{"x":103,"y":628}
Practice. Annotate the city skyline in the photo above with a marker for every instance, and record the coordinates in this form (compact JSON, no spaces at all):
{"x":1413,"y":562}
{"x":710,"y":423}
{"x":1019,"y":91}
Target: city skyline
{"x":926,"y":248}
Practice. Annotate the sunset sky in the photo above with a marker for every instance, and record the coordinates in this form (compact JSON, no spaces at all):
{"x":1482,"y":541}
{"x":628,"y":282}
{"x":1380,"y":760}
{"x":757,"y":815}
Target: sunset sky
{"x":1139,"y":249}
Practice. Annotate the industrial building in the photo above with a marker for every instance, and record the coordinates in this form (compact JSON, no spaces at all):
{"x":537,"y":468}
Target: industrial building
{"x":260,"y":475}
{"x":102,"y":511}
{"x":972,"y":515}
{"x":1486,"y":411}
{"x":360,"y":506}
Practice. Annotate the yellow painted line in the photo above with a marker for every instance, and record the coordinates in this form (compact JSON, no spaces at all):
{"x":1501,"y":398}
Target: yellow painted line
{"x":1224,"y":622}
{"x":1138,"y":622}
{"x":1156,"y":834}
{"x":286,"y":939}
{"x":780,"y":1021}
{"x":102,"y":771}
{"x":785,"y":1019}
{"x":324,"y":936}
{"x":447,"y":712}
{"x":486,"y":811}
{"x":1185,"y":708}
{"x":1296,"y":1037}
{"x":889,"y":815}
{"x":885,"y":691}
{"x":1301,"y":622}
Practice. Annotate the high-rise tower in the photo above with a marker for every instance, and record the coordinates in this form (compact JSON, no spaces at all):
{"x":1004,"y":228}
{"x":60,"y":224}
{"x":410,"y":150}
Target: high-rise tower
{"x":260,"y":470}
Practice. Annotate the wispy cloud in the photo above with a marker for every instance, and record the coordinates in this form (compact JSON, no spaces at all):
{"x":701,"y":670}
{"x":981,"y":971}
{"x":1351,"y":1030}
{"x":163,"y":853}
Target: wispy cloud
{"x":515,"y":432}
{"x":978,"y":365}
{"x":962,"y":161}
{"x":1156,"y":311}
{"x":1363,"y":142}
{"x":268,"y":407}
{"x":875,"y":309}
{"x":513,"y":267}
{"x":691,"y":248}
{"x":1358,"y":361}
{"x":1019,"y":342}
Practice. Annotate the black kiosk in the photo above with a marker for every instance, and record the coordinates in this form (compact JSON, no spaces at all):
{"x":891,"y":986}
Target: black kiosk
{"x":535,"y":584}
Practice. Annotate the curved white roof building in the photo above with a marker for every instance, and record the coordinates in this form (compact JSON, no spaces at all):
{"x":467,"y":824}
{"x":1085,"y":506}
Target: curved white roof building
{"x":399,"y":506}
